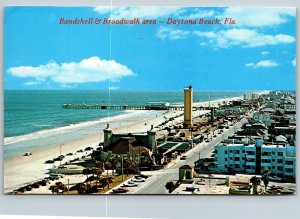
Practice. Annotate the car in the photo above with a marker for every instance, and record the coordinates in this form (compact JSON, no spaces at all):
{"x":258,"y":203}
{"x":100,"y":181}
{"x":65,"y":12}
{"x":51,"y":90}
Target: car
{"x":142,"y":176}
{"x":28,"y":188}
{"x":79,"y":151}
{"x":130,"y":185}
{"x":138,"y":180}
{"x":22,"y":189}
{"x":120,"y":190}
{"x":35,"y":185}
{"x":184,"y":157}
{"x":42,"y":182}
{"x":27,"y":154}
{"x":49,"y":162}
{"x":88,"y":149}
{"x":69,"y":154}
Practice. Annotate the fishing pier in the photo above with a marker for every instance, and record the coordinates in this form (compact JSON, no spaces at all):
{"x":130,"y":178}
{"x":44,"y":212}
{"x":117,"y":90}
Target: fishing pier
{"x":156,"y":106}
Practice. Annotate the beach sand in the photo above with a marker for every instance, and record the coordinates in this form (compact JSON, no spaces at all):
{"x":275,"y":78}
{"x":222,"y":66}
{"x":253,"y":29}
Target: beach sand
{"x":21,"y":170}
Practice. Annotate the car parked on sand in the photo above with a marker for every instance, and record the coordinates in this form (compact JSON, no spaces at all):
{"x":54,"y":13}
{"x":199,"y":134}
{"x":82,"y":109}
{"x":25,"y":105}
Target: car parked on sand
{"x":183,"y":157}
{"x":49,"y":161}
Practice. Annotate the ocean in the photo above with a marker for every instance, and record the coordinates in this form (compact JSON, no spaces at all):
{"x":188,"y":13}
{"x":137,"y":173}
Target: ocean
{"x":34,"y":119}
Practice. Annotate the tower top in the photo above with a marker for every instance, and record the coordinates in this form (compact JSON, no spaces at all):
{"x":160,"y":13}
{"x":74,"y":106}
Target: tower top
{"x":188,"y":87}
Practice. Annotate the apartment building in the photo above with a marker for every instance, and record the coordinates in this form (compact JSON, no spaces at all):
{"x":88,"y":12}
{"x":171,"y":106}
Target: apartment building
{"x":280,"y":160}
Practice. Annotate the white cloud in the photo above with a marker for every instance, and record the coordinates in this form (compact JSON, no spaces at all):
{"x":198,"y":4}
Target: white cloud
{"x":171,"y":33}
{"x":92,"y":69}
{"x":251,"y":64}
{"x":149,"y":12}
{"x":262,"y":64}
{"x":294,"y":62}
{"x":32,"y":83}
{"x":198,"y":13}
{"x":244,"y":38}
{"x":258,"y":17}
{"x":265,"y":53}
{"x":114,"y":88}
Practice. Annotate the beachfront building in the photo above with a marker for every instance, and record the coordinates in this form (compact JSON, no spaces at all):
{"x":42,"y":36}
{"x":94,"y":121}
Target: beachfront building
{"x":280,"y":160}
{"x":251,"y":96}
{"x":188,"y":107}
{"x":140,"y":145}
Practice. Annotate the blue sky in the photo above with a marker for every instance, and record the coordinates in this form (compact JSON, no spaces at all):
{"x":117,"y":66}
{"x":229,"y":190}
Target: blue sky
{"x":257,"y":53}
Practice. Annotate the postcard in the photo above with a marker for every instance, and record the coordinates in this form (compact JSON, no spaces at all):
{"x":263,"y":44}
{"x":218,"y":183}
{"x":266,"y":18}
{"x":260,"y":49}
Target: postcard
{"x":150,"y":100}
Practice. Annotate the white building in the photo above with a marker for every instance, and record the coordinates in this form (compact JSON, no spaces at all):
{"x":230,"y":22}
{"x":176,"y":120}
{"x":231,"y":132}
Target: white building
{"x":289,"y":107}
{"x":263,"y":117}
{"x":250,"y":96}
{"x":254,"y":159}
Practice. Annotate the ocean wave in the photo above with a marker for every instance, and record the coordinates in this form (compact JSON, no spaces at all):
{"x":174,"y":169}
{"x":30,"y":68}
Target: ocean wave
{"x":73,"y":127}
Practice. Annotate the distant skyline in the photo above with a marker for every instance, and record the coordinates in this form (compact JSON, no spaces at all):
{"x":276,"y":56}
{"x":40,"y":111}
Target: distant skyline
{"x":257,"y":53}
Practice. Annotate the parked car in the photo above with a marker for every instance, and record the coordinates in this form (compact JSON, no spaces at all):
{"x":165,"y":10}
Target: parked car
{"x":27,"y":154}
{"x":129,"y":185}
{"x":120,"y":190}
{"x":184,"y":157}
{"x":138,"y":180}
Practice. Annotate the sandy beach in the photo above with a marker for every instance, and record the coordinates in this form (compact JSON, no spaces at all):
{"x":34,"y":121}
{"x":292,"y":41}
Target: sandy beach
{"x":21,"y":170}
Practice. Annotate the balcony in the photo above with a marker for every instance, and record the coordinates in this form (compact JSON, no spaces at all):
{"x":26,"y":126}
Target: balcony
{"x":269,"y":157}
{"x":291,"y":166}
{"x":289,"y":173}
{"x":266,"y":164}
{"x":250,"y":156}
{"x":250,"y":164}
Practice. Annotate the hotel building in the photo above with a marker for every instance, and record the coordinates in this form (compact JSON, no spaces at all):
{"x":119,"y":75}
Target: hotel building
{"x":280,"y":160}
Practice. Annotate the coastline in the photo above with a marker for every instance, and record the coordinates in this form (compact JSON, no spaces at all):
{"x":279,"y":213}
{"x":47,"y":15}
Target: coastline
{"x":20,"y":170}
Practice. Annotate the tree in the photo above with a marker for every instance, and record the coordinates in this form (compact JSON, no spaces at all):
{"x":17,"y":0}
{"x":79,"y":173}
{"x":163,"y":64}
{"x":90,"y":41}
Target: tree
{"x":59,"y":187}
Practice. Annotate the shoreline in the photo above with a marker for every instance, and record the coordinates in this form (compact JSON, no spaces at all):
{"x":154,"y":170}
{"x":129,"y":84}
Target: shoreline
{"x":20,"y":170}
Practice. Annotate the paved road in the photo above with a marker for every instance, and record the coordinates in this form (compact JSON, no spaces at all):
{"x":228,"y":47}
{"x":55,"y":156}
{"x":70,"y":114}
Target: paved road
{"x":156,"y":183}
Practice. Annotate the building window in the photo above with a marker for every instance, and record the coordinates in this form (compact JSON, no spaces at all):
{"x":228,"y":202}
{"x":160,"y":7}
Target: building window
{"x":266,"y":161}
{"x":280,"y":168}
{"x":230,"y":158}
{"x":230,"y":151}
{"x":236,"y":159}
{"x":279,"y":161}
{"x":226,"y":152}
{"x":226,"y":159}
{"x":226,"y":166}
{"x":289,"y":162}
{"x":273,"y":160}
{"x":280,"y":153}
{"x":266,"y":154}
{"x":289,"y":170}
{"x":237,"y":166}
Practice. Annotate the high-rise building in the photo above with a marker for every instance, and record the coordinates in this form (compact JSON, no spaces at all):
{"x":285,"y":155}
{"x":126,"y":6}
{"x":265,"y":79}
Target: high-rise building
{"x":188,"y":107}
{"x":280,"y":160}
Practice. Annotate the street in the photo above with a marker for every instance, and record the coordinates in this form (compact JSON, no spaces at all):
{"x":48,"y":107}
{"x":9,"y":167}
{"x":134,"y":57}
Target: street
{"x":156,"y":183}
